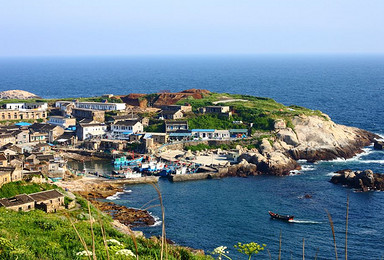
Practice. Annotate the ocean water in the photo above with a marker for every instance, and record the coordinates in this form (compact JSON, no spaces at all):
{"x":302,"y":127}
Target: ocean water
{"x":210,"y":213}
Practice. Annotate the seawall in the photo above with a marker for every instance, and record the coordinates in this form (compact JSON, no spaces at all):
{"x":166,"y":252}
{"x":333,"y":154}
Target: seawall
{"x":194,"y":176}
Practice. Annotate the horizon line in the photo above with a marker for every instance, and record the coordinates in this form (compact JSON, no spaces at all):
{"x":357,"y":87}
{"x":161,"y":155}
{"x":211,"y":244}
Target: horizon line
{"x":197,"y":55}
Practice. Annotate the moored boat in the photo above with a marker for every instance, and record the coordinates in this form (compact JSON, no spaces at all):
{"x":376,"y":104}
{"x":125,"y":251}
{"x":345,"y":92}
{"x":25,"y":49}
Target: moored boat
{"x":124,"y":161}
{"x":288,"y":218}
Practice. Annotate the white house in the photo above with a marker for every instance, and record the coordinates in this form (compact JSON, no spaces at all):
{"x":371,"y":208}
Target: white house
{"x":92,"y":105}
{"x":64,"y":122}
{"x":210,"y":134}
{"x":39,"y":106}
{"x":122,"y":129}
{"x":92,"y":130}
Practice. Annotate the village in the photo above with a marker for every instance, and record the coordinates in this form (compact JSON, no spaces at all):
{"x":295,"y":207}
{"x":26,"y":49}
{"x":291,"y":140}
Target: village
{"x":38,"y":138}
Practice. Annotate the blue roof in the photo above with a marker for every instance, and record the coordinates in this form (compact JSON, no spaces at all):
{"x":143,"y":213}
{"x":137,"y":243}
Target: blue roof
{"x":203,"y":130}
{"x":127,"y":133}
{"x":238,"y":130}
{"x":23,"y":124}
{"x":180,"y":134}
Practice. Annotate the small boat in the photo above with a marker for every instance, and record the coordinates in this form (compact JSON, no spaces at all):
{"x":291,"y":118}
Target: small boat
{"x":124,"y":161}
{"x":288,"y":218}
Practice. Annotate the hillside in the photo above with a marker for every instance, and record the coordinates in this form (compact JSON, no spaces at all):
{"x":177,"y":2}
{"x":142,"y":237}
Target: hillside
{"x":282,"y":134}
{"x":38,"y":235}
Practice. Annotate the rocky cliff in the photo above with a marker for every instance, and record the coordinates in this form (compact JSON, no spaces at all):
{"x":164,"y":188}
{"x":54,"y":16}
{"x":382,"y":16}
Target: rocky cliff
{"x":311,"y":138}
{"x":17,"y":94}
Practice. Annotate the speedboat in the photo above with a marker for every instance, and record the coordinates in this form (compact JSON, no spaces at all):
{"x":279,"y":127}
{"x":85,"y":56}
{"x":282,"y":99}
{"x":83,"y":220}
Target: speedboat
{"x":288,"y":218}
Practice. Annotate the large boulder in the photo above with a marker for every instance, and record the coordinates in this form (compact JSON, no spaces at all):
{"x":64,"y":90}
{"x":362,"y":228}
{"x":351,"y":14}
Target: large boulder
{"x":288,"y":136}
{"x":378,"y":145}
{"x":321,"y":139}
{"x":361,"y":180}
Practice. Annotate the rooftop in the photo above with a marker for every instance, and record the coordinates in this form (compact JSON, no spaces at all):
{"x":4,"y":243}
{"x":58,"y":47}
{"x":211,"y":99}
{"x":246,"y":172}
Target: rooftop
{"x":46,"y":195}
{"x":126,"y":123}
{"x":175,"y":122}
{"x":238,"y":131}
{"x":203,"y":130}
{"x":15,"y":201}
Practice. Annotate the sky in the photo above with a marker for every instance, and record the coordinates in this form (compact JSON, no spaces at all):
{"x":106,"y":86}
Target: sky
{"x":189,"y":27}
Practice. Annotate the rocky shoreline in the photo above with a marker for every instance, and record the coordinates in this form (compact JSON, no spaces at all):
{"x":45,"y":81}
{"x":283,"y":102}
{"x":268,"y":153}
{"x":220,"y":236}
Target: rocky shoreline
{"x":96,"y":191}
{"x":311,"y":138}
{"x":128,"y":216}
{"x":359,"y":180}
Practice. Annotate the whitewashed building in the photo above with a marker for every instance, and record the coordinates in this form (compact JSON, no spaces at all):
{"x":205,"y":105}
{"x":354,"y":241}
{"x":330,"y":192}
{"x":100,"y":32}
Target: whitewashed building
{"x":92,"y":105}
{"x":38,"y":106}
{"x":92,"y":130}
{"x":122,"y":129}
{"x":210,"y":134}
{"x":64,"y":122}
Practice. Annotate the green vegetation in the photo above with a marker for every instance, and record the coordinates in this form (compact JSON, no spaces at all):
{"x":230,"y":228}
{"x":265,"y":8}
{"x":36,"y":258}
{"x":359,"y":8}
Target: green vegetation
{"x":151,"y":98}
{"x":19,"y":187}
{"x":250,"y":143}
{"x":6,"y":101}
{"x":155,"y":126}
{"x":261,"y":112}
{"x":213,"y":121}
{"x":37,"y":235}
{"x":249,"y":249}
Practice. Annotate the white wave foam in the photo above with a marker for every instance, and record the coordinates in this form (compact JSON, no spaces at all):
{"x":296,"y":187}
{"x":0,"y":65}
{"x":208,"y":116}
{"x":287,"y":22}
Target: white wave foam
{"x":381,"y":137}
{"x":372,"y":161}
{"x":294,"y":172}
{"x":305,"y":168}
{"x":305,"y":221}
{"x":331,"y":174}
{"x":366,"y":151}
{"x":157,"y":220}
{"x":116,"y":196}
{"x":127,"y":191}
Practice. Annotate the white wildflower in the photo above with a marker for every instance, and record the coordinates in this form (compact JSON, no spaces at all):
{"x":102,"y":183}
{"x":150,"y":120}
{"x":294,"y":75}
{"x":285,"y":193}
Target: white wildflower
{"x":84,"y":253}
{"x":113,"y":241}
{"x":220,"y":250}
{"x":125,"y":252}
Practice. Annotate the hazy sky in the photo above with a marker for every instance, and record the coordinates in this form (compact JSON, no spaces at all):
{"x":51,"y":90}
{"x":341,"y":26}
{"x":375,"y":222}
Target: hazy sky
{"x":147,"y":27}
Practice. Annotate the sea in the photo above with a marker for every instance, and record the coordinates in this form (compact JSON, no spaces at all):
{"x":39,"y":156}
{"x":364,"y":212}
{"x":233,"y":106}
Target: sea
{"x":210,"y":213}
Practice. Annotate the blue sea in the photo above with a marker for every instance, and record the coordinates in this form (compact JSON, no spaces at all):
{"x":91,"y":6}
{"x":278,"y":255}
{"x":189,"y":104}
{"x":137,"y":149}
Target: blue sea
{"x":210,"y":213}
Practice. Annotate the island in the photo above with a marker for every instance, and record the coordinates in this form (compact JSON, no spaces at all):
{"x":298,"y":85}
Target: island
{"x":190,"y":135}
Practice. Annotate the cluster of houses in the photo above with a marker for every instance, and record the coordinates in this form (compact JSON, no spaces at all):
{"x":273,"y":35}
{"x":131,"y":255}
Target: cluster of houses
{"x":48,"y":201}
{"x":34,"y":160}
{"x":103,"y":125}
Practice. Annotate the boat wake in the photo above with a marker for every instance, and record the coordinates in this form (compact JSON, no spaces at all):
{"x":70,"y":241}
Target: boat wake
{"x":305,"y":221}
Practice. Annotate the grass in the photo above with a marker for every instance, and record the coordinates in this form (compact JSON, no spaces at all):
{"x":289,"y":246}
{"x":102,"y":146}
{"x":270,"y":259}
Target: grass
{"x":261,"y":112}
{"x":37,"y":235}
{"x":19,"y":187}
